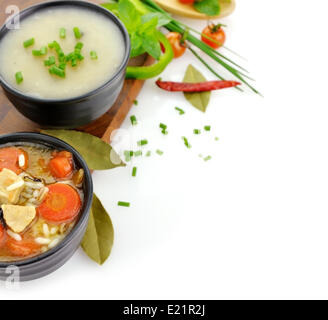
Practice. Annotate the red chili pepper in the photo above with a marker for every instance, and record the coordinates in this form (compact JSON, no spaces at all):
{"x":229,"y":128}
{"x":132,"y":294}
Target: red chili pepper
{"x":196,"y":87}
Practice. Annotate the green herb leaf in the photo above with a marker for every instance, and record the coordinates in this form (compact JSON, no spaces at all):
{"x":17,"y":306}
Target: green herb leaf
{"x":99,"y":236}
{"x":208,"y":7}
{"x":198,"y":100}
{"x":162,"y":19}
{"x":98,"y":154}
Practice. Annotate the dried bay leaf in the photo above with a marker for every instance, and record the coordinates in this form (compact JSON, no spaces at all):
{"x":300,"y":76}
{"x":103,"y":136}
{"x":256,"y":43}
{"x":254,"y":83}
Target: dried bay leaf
{"x":99,"y":236}
{"x":199,"y":100}
{"x":98,"y":154}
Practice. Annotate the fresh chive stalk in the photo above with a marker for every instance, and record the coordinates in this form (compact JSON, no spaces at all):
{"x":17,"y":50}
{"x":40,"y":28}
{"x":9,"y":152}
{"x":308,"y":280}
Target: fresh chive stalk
{"x":28,"y":43}
{"x":142,"y":142}
{"x":138,"y":153}
{"x":181,"y":112}
{"x":186,"y":142}
{"x":19,"y":77}
{"x":93,"y":55}
{"x":57,"y":71}
{"x":135,"y":102}
{"x":42,"y":52}
{"x":77,"y":33}
{"x":51,"y":61}
{"x":62,"y":33}
{"x":123,"y":204}
{"x":197,"y":131}
{"x":207,"y":128}
{"x":134,"y":172}
{"x":133,"y":119}
{"x":148,"y":154}
{"x":207,"y":158}
{"x":159,"y":152}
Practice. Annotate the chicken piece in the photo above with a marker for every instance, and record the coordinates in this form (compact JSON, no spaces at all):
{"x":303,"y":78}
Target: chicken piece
{"x":11,"y":186}
{"x":17,"y":218}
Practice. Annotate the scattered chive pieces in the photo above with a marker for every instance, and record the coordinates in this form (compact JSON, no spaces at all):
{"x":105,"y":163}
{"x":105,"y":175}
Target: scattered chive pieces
{"x":186,"y":142}
{"x":128,"y":154}
{"x":163,"y":126}
{"x":51,"y":61}
{"x":74,"y":63}
{"x":180,"y":110}
{"x":77,"y":33}
{"x":134,"y":172}
{"x":216,"y":138}
{"x":43,"y":51}
{"x":62,"y":33}
{"x":165,"y":132}
{"x":28,"y":43}
{"x":148,"y":154}
{"x":135,"y":102}
{"x":133,"y":119}
{"x":196,"y":131}
{"x":207,"y":128}
{"x":123,"y":204}
{"x":57,"y":71}
{"x":79,"y":46}
{"x":207,"y":158}
{"x":51,"y":45}
{"x":19,"y":77}
{"x":93,"y":55}
{"x":138,"y":153}
{"x":62,"y":66}
{"x":159,"y":152}
{"x":142,"y":142}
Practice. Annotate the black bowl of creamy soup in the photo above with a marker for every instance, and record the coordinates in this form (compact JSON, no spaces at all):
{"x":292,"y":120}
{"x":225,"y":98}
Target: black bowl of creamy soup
{"x":65,"y":65}
{"x":46,"y":193}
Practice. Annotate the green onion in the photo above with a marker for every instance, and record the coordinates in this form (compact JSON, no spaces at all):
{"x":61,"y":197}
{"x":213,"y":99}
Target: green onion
{"x":207,"y":128}
{"x":62,"y":33}
{"x":186,"y":142}
{"x":43,"y":51}
{"x":62,"y":66}
{"x":93,"y":55}
{"x":128,"y":154}
{"x":138,"y":153}
{"x":148,"y":154}
{"x":159,"y":152}
{"x":165,"y":132}
{"x":197,"y":131}
{"x":180,"y":110}
{"x":123,"y":204}
{"x":19,"y":77}
{"x":79,"y":46}
{"x":135,"y":102}
{"x":163,"y":126}
{"x":57,"y":71}
{"x":207,"y":158}
{"x":28,"y":43}
{"x":79,"y":56}
{"x":77,"y":33}
{"x":51,"y":61}
{"x":142,"y":142}
{"x":134,"y":121}
{"x":134,"y":172}
{"x":74,"y":62}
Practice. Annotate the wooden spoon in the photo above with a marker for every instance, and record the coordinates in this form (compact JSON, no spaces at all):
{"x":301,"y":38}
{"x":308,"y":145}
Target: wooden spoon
{"x":187,"y":10}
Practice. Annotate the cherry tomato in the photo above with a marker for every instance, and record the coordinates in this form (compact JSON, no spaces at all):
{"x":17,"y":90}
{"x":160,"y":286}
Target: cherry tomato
{"x":187,"y":1}
{"x":178,"y":47}
{"x":216,"y":33}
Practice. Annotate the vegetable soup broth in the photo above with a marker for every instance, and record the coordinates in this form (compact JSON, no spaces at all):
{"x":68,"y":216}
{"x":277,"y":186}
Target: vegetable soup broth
{"x":98,"y":34}
{"x":42,"y":177}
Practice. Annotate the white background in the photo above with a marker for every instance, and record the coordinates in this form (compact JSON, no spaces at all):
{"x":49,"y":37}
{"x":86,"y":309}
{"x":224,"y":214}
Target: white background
{"x":250,"y":223}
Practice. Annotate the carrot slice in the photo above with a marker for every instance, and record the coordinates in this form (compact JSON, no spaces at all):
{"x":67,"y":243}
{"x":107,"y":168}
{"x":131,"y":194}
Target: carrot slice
{"x":9,"y":159}
{"x":22,"y":248}
{"x":61,"y":166}
{"x":62,"y":204}
{"x":2,"y":235}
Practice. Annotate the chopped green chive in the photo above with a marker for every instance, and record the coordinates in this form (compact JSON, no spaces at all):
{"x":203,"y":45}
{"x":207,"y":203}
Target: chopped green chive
{"x":135,"y":102}
{"x":42,"y":52}
{"x":77,"y":33}
{"x":93,"y":55}
{"x":138,"y":153}
{"x":134,"y":172}
{"x":186,"y":142}
{"x":128,"y":154}
{"x":79,"y":46}
{"x":180,"y":110}
{"x":62,"y":33}
{"x":142,"y":142}
{"x":74,"y":63}
{"x":51,"y":61}
{"x":123,"y":204}
{"x":133,"y":119}
{"x":57,"y":71}
{"x":148,"y":154}
{"x":159,"y":152}
{"x":163,"y":126}
{"x":165,"y":132}
{"x":28,"y":43}
{"x":207,"y":128}
{"x":197,"y":131}
{"x":62,"y":66}
{"x":207,"y":158}
{"x":19,"y":77}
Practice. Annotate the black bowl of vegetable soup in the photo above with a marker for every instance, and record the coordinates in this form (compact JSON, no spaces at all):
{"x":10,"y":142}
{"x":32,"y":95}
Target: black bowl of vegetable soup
{"x":46,"y":193}
{"x":65,"y":65}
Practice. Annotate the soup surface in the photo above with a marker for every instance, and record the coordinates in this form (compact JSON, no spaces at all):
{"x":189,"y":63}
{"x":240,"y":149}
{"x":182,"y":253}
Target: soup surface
{"x":103,"y":52}
{"x":40,"y":199}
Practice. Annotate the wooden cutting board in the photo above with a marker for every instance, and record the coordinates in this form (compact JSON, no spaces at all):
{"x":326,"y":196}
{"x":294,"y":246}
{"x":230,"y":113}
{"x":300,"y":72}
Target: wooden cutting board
{"x":12,"y":121}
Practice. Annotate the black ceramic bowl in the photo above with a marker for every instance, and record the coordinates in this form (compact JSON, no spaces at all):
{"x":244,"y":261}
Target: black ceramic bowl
{"x":77,"y":111}
{"x":45,"y":263}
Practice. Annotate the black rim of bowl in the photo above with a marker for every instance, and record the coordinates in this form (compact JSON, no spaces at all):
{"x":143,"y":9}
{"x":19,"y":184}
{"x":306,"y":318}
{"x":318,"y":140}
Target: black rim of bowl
{"x":83,"y":4}
{"x":44,"y":139}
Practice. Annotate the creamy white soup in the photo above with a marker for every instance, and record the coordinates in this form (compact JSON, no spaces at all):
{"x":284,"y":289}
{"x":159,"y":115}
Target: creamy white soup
{"x":24,"y":67}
